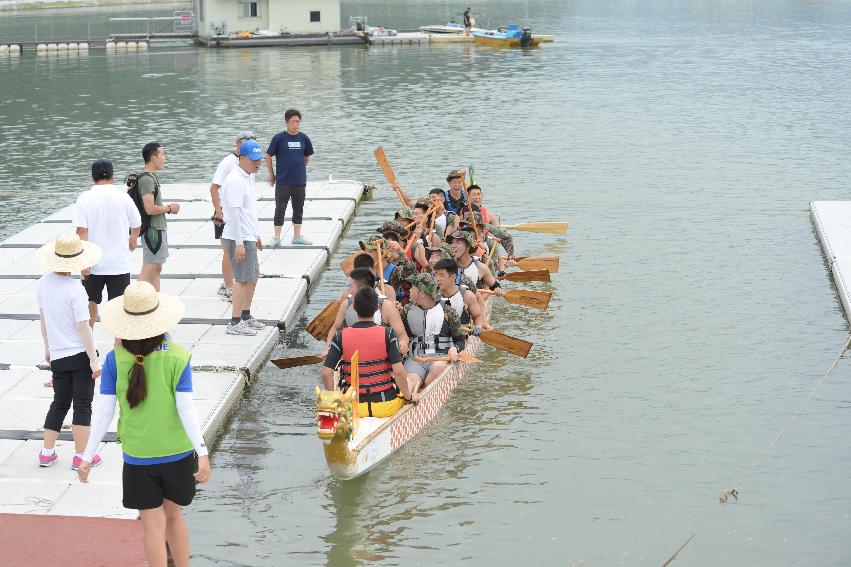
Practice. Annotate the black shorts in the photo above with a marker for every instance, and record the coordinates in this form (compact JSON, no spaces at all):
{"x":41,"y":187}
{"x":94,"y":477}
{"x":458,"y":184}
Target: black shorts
{"x":145,"y":486}
{"x":115,"y":286}
{"x":218,"y":229}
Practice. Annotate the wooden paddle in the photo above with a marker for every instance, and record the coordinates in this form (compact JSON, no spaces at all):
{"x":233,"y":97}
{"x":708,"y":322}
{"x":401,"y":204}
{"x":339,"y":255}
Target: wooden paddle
{"x":530,"y":276}
{"x":469,"y":206}
{"x":319,"y":327}
{"x":380,"y":255}
{"x":461,"y":358}
{"x":388,"y":171}
{"x":549,"y":263}
{"x":544,"y":227}
{"x":348,"y":263}
{"x":297,"y":361}
{"x":527,"y":297}
{"x":500,"y":340}
{"x":416,"y":225}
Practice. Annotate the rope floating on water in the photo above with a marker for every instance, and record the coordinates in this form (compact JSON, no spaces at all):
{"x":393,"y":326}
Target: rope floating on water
{"x":734,"y":492}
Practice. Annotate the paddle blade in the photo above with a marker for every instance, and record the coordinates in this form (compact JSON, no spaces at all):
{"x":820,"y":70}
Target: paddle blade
{"x":529,"y":298}
{"x":543,"y":227}
{"x":384,"y":164}
{"x":348,"y":263}
{"x":297,"y":361}
{"x":319,"y":327}
{"x":546,"y":263}
{"x":530,"y":276}
{"x":506,"y":343}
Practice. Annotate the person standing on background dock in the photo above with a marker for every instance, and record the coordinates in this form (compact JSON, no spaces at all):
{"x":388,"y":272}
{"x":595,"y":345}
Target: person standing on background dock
{"x":292,"y":150}
{"x":468,"y":21}
{"x":242,"y":237}
{"x":69,"y":346}
{"x":150,"y":377}
{"x":155,"y":237}
{"x":105,"y":216}
{"x":222,"y":171}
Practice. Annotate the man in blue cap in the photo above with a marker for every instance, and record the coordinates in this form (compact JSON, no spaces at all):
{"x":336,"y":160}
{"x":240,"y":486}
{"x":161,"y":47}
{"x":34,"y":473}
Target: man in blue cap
{"x":225,"y":166}
{"x":241,"y":236}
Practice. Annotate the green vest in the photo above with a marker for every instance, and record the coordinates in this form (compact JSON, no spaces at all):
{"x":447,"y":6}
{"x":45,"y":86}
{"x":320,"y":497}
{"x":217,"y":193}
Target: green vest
{"x":153,"y":428}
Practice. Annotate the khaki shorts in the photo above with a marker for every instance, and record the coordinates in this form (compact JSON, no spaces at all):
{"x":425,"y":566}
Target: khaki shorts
{"x":249,"y":269}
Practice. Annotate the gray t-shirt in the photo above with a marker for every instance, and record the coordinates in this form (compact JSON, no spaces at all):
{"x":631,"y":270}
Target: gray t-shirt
{"x":147,"y":184}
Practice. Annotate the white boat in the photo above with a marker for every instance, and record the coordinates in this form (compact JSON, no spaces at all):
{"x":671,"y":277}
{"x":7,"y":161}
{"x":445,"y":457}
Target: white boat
{"x":376,"y":438}
{"x":451,"y":27}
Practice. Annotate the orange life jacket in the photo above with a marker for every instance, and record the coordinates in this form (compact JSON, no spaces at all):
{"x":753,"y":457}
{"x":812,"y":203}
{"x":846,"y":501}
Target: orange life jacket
{"x":374,"y":369}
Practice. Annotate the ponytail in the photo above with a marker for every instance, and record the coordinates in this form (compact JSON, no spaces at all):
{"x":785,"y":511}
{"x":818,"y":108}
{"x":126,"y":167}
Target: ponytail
{"x":137,"y":389}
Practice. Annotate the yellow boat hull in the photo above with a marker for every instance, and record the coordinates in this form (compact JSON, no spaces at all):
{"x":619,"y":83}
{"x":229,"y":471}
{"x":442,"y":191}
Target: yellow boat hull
{"x":504,"y":42}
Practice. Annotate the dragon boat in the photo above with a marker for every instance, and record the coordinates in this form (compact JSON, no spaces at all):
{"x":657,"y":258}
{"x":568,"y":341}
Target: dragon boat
{"x":354,"y":445}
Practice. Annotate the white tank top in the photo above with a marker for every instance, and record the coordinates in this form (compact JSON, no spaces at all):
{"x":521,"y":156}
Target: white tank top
{"x":457,"y":302}
{"x":472,"y":272}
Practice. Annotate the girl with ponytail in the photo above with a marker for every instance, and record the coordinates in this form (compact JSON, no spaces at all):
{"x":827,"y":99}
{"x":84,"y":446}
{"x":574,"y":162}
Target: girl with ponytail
{"x":149,"y":377}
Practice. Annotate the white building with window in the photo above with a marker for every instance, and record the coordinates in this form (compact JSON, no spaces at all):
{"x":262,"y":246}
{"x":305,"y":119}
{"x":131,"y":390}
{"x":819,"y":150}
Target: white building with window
{"x":222,"y":18}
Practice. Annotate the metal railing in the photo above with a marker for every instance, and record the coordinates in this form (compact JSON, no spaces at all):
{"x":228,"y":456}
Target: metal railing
{"x":181,"y":24}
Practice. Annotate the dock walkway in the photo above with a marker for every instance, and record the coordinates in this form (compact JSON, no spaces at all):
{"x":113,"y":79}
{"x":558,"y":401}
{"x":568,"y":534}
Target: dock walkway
{"x":222,"y":363}
{"x":832,"y":221}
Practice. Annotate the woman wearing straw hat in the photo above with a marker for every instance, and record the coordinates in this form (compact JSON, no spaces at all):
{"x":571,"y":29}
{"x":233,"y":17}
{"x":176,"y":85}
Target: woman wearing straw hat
{"x":151,"y":379}
{"x":69,"y":346}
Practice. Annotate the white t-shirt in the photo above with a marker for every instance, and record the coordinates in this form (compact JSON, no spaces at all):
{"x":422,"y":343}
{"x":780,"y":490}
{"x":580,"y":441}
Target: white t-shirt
{"x":225,"y":167}
{"x":64,"y":302}
{"x":108,"y":213}
{"x":238,"y":191}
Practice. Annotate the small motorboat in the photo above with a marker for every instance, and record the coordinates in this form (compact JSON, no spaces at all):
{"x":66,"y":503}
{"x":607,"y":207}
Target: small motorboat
{"x":513,"y":36}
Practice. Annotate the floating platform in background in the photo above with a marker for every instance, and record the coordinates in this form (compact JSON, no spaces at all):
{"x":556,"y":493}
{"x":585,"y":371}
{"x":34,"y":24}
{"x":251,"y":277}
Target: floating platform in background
{"x":222,"y":363}
{"x":420,"y":38}
{"x":292,"y":40}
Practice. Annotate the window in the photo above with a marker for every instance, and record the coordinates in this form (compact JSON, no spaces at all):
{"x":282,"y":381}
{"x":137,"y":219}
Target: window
{"x":314,"y":16}
{"x":249,"y":9}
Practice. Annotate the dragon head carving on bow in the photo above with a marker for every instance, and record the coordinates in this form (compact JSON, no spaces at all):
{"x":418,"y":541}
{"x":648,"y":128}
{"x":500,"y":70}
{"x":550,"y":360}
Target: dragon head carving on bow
{"x":333,"y":415}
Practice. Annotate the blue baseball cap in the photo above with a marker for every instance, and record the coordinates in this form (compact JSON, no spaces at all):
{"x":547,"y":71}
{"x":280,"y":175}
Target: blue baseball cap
{"x":251,"y":150}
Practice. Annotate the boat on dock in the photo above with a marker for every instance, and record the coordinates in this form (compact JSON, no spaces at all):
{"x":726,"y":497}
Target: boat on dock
{"x":513,"y":36}
{"x":353,"y":445}
{"x":450,"y":28}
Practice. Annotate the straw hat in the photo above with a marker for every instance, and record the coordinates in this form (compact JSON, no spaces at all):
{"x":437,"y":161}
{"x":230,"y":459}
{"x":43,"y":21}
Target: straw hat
{"x":141,"y":312}
{"x":68,"y":254}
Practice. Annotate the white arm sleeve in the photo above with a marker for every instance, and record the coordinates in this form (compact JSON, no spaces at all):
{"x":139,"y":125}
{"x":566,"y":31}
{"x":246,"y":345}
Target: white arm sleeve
{"x":102,"y":417}
{"x":234,"y":221}
{"x":191,"y":424}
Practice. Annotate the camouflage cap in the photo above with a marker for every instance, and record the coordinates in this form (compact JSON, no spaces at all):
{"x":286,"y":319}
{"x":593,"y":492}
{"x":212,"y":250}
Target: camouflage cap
{"x":392,"y":226}
{"x":404,"y":213}
{"x":477,"y":217}
{"x":464,"y":235}
{"x":372,"y":243}
{"x":424,"y":200}
{"x":443,"y":249}
{"x":455,"y":174}
{"x":426,"y":283}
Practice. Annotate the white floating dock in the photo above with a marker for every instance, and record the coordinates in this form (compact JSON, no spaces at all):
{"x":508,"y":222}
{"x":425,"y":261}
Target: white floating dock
{"x":832,"y":220}
{"x":222,"y":363}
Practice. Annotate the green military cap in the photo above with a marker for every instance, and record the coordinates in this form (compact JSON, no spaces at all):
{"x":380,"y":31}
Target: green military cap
{"x":464,"y":235}
{"x":392,"y":226}
{"x":426,"y":283}
{"x":372,"y":243}
{"x":443,"y":249}
{"x":404,"y":213}
{"x":477,"y":217}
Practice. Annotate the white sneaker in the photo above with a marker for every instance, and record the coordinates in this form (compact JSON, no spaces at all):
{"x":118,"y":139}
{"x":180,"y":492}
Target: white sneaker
{"x":240,"y":329}
{"x":274,"y":243}
{"x":226,"y":294}
{"x":222,"y":289}
{"x":254,"y":324}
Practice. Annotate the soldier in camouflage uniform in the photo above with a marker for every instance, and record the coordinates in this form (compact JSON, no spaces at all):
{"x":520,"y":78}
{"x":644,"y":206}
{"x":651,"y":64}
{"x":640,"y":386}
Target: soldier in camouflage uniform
{"x":506,"y":242}
{"x":434,"y":329}
{"x":444,"y":252}
{"x":397,"y":268}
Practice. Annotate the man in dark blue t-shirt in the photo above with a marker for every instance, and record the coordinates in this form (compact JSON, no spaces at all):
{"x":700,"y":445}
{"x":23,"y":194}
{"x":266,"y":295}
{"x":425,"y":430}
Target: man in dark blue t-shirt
{"x":292,"y":150}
